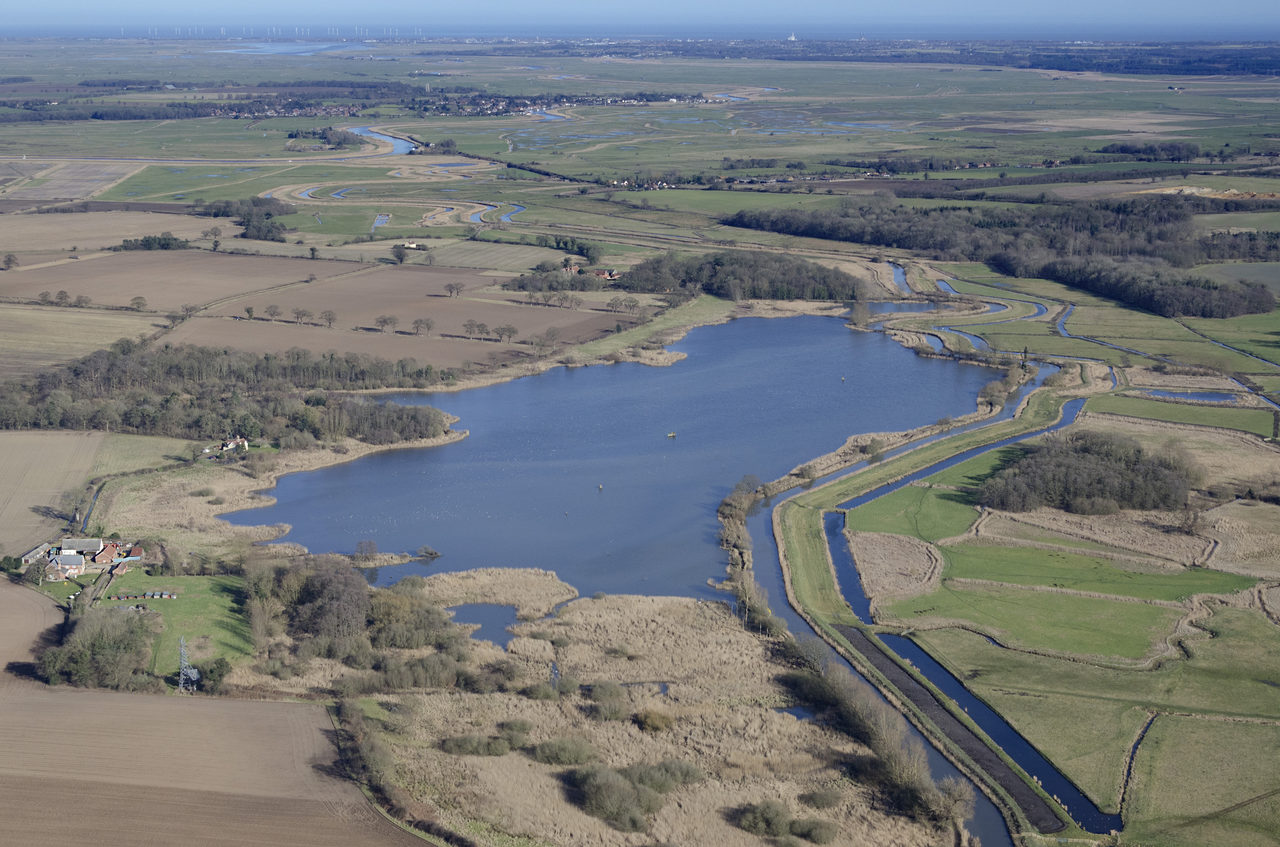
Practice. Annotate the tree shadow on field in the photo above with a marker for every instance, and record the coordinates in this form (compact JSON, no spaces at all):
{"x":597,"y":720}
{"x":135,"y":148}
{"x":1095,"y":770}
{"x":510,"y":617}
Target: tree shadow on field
{"x":331,"y":766}
{"x":50,"y":637}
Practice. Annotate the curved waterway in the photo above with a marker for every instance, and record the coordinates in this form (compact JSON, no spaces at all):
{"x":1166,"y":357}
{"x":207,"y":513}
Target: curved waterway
{"x":574,"y":470}
{"x":399,"y":146}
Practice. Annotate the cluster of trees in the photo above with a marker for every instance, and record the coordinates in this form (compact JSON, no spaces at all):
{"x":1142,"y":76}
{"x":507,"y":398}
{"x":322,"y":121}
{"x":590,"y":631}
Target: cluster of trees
{"x":202,"y":393}
{"x":334,"y":139}
{"x":1164,"y":151}
{"x":569,"y":244}
{"x":63,"y":298}
{"x":1120,"y":249}
{"x":1089,"y":473}
{"x":256,"y":214}
{"x":106,"y":648}
{"x":163,"y":241}
{"x":740,"y":275}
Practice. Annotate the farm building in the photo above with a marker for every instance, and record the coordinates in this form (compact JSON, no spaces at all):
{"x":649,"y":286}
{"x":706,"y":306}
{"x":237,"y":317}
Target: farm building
{"x":109,"y":553}
{"x":37,"y":554}
{"x":83,"y":546}
{"x":65,"y":566}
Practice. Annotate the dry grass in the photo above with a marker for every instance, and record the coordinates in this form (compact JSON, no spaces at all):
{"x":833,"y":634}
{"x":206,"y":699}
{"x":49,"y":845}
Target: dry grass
{"x":69,"y":181}
{"x":720,"y":694}
{"x":36,"y":337}
{"x":37,"y":468}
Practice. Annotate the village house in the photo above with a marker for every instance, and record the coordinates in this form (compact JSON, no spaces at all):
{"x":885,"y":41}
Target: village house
{"x":65,"y":566}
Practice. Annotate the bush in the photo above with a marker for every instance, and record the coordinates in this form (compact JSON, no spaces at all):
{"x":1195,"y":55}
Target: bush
{"x":564,"y":751}
{"x":815,"y":829}
{"x":824,"y":798}
{"x":476,"y":745}
{"x":652,"y":720}
{"x":540,"y":691}
{"x":665,"y":776}
{"x":602,"y":691}
{"x":608,"y":795}
{"x":609,"y":710}
{"x":770,"y":818}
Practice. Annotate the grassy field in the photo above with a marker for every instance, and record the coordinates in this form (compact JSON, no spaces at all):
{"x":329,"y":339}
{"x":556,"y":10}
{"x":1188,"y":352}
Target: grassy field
{"x":35,"y":337}
{"x":1083,"y":626}
{"x":1256,"y":421}
{"x":121,"y":453}
{"x":206,"y":612}
{"x":1077,"y":572}
{"x":928,"y":513}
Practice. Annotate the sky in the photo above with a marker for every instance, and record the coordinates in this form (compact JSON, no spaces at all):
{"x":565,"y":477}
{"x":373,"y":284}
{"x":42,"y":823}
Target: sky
{"x":1082,"y":19}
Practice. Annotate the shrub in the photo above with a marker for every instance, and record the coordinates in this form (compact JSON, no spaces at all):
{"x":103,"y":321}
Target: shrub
{"x":770,"y":818}
{"x":564,"y":751}
{"x":540,"y":691}
{"x":602,"y":691}
{"x":608,"y":795}
{"x":665,"y":776}
{"x":567,"y":685}
{"x":824,"y":798}
{"x":609,"y":710}
{"x":476,"y":745}
{"x":652,"y":720}
{"x":815,"y":829}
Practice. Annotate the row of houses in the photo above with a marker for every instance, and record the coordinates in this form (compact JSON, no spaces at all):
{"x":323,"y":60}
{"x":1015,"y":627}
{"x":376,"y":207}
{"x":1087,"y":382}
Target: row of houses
{"x":73,"y":557}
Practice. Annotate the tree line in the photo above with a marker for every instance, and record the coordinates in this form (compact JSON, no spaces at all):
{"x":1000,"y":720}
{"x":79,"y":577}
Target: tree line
{"x":204,"y":393}
{"x":740,"y":275}
{"x":256,"y":214}
{"x":1123,"y":249}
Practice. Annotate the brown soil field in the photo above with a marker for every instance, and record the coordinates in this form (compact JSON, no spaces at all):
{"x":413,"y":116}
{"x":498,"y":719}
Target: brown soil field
{"x":407,"y":293}
{"x":96,"y":230}
{"x":35,"y":337}
{"x":144,"y":769}
{"x":69,"y":181}
{"x":37,"y":467}
{"x":167,"y":278}
{"x":720,"y":693}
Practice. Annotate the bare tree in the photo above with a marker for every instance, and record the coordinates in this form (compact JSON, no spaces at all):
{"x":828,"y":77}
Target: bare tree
{"x":328,"y":316}
{"x":421,"y":324}
{"x":189,"y":309}
{"x":10,"y":261}
{"x":81,"y":301}
{"x":300,"y":315}
{"x":62,"y":298}
{"x":506,"y":331}
{"x":471,"y":327}
{"x":384,"y":321}
{"x":138,"y":304}
{"x":453,"y":288}
{"x":273,"y":311}
{"x":399,"y":252}
{"x":248,"y":312}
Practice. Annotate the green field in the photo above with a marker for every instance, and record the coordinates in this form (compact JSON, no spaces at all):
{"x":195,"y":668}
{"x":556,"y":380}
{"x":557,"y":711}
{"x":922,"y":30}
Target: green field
{"x":1063,"y":623}
{"x":919,"y":511}
{"x":205,"y":612}
{"x":1076,"y":572}
{"x":1256,"y":421}
{"x":121,"y":453}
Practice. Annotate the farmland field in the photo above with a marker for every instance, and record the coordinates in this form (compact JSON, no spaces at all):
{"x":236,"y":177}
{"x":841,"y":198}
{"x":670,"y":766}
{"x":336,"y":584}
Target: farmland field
{"x":96,"y":230}
{"x":249,"y":772}
{"x":37,"y":468}
{"x":166,"y":279}
{"x":35,"y":337}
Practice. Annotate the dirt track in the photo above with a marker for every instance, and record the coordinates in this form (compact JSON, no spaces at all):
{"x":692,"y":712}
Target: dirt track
{"x":104,"y":768}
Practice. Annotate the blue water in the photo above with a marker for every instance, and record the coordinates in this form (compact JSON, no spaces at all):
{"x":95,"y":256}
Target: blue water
{"x":399,"y":146}
{"x":900,"y":278}
{"x":729,"y":97}
{"x":548,"y":116}
{"x":754,"y":396}
{"x":1081,"y":809}
{"x":493,"y":619}
{"x":478,"y":217}
{"x":380,"y":220}
{"x":515,"y":210}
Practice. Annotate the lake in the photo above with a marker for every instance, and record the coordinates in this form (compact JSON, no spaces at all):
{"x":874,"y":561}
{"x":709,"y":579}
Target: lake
{"x":573,"y":470}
